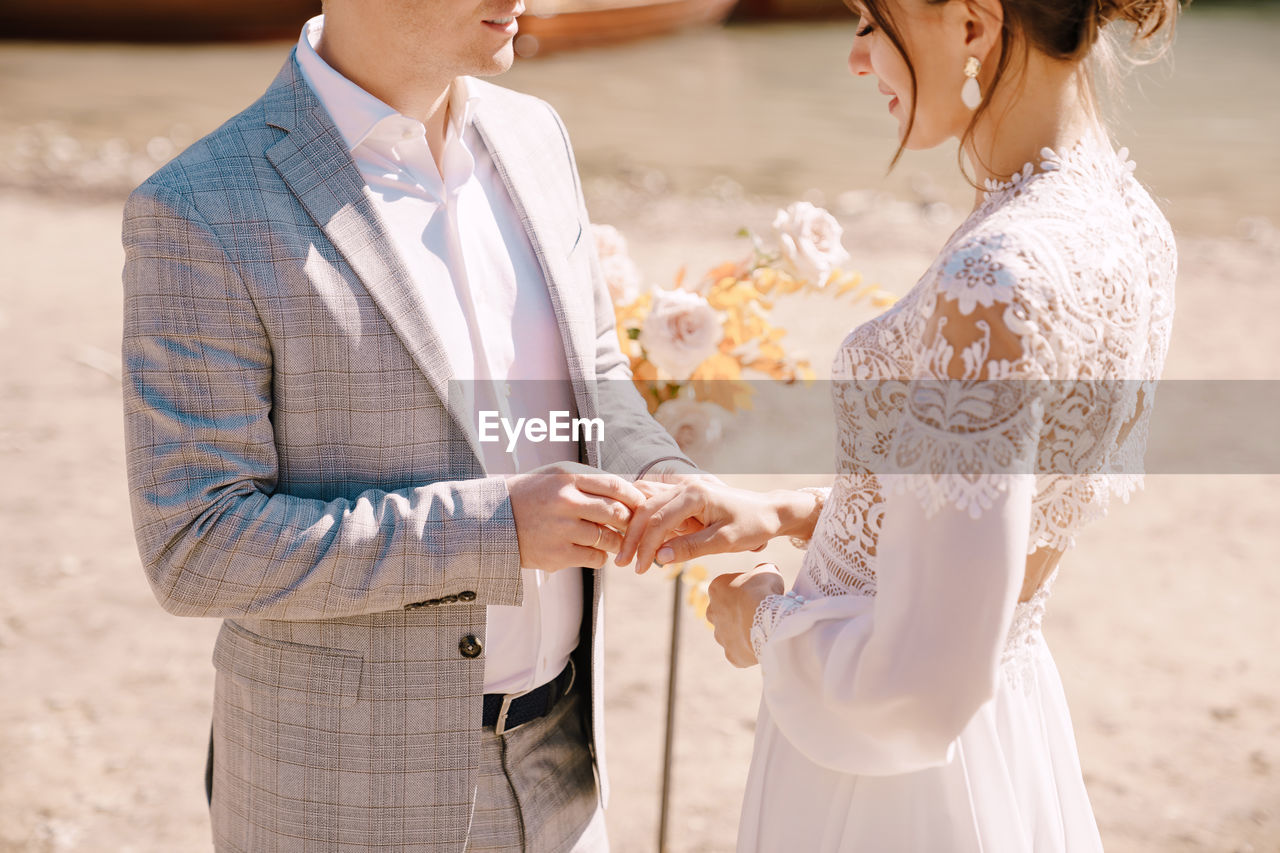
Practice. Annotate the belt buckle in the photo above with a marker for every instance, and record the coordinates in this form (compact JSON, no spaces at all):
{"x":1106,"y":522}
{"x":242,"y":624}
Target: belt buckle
{"x":500,"y":727}
{"x":573,"y":676}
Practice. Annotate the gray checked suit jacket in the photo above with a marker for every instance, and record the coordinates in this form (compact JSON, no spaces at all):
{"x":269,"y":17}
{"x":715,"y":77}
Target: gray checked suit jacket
{"x":298,"y":468}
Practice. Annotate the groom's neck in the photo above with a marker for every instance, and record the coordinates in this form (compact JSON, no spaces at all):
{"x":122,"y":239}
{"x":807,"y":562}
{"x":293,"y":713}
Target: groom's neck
{"x":411,"y":85}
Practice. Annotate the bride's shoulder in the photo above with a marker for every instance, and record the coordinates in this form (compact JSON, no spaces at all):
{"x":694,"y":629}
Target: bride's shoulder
{"x":1055,"y":234}
{"x":1001,"y":260}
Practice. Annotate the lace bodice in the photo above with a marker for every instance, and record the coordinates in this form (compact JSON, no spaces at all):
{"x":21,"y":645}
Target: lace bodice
{"x":1031,"y":345}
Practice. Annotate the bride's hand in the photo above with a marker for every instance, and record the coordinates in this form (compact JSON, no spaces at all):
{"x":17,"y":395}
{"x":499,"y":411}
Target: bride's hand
{"x":734,"y":600}
{"x":698,"y":517}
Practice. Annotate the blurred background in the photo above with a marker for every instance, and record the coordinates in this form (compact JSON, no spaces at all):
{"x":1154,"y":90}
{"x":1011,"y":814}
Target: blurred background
{"x":1162,"y":621}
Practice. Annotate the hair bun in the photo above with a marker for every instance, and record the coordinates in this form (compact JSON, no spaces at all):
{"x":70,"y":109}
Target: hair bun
{"x":1147,"y":16}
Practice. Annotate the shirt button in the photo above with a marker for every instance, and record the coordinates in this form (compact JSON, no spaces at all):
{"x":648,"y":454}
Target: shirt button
{"x":470,"y":647}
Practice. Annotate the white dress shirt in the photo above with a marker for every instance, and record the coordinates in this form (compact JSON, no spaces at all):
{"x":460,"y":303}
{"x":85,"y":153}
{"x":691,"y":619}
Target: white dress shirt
{"x":462,"y":241}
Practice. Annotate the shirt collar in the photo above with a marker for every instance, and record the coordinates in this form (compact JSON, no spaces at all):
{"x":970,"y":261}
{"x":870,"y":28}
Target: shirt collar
{"x":354,"y":111}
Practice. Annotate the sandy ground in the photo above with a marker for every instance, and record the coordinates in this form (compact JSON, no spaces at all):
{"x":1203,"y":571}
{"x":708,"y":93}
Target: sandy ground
{"x":1162,"y":621}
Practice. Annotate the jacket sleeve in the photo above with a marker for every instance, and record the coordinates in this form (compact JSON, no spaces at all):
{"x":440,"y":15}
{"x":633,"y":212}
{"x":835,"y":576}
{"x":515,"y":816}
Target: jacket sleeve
{"x":216,"y":535}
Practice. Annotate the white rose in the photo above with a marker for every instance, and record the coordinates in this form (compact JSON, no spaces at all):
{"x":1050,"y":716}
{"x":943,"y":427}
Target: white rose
{"x":681,"y":331}
{"x":695,"y":425}
{"x":620,"y":272}
{"x":623,"y":278}
{"x":609,"y":241}
{"x":810,"y":239}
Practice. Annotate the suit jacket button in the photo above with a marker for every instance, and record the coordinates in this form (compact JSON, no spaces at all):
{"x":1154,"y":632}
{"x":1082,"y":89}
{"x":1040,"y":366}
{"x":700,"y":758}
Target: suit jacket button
{"x":449,"y":599}
{"x":467,"y":595}
{"x":470,"y":646}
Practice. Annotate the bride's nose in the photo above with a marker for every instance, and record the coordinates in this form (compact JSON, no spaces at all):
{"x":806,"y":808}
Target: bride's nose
{"x":860,"y":58}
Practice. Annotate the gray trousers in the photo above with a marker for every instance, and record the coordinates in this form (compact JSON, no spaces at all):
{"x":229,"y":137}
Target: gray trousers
{"x":536,"y":791}
{"x":537,"y":788}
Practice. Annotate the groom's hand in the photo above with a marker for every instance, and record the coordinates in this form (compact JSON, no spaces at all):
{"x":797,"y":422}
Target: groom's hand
{"x":567,"y":515}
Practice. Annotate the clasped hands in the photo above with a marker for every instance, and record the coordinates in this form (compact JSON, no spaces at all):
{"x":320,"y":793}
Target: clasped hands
{"x":569,"y":514}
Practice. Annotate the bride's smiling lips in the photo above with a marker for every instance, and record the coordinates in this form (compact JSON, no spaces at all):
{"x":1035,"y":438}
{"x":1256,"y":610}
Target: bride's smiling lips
{"x":893,"y":99}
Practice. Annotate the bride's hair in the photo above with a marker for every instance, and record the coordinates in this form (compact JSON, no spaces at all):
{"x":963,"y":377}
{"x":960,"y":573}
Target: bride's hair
{"x":1061,"y":29}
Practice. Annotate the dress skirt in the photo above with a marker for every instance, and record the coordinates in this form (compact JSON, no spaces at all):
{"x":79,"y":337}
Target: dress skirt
{"x":1013,"y":784}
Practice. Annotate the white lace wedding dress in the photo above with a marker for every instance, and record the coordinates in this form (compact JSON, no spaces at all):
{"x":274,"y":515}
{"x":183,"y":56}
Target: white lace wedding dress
{"x":910,"y":702}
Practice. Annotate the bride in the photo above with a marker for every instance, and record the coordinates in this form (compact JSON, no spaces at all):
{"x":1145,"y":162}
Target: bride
{"x":910,"y":702}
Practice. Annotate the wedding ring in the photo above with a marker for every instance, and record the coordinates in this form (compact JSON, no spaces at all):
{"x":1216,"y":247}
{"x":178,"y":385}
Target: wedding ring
{"x":599,"y":536}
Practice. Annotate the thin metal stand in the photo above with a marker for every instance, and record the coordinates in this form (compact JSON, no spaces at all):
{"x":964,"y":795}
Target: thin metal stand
{"x":672,"y":665}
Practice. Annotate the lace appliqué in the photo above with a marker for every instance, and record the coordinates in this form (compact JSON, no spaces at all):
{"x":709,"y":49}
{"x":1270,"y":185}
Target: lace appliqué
{"x":771,"y":611}
{"x":841,"y":555}
{"x":961,"y":439}
{"x":977,"y":276}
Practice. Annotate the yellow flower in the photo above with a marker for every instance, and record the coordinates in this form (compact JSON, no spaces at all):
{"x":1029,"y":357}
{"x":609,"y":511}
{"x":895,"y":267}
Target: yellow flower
{"x":699,"y":598}
{"x":718,"y":366}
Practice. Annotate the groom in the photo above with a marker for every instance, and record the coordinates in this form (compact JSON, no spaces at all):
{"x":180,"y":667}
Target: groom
{"x":410,"y":654}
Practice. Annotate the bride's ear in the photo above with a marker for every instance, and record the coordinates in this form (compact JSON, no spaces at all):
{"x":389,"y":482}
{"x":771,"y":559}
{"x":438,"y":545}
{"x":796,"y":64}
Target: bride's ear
{"x":983,"y":22}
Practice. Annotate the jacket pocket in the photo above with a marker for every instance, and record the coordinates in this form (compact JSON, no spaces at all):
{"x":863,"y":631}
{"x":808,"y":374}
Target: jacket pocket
{"x":288,"y":671}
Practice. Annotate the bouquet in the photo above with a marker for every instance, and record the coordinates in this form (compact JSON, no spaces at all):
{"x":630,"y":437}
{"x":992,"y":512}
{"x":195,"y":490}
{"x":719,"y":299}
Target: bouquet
{"x":692,"y":346}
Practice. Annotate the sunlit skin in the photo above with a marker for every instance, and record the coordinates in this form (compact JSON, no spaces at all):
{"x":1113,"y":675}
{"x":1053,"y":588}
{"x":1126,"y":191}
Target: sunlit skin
{"x":1040,"y":102}
{"x":407,"y":53}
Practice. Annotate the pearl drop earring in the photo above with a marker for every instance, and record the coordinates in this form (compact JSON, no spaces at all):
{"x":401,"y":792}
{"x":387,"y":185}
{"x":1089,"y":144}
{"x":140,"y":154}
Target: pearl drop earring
{"x":970,"y":94}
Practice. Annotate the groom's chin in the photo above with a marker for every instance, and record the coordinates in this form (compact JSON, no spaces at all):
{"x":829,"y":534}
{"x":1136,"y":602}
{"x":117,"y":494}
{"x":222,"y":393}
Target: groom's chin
{"x":499,"y":63}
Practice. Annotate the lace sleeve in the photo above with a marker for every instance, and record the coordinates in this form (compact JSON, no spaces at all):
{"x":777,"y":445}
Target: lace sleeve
{"x":884,"y":684}
{"x":775,"y":608}
{"x":975,"y":406}
{"x":771,"y":611}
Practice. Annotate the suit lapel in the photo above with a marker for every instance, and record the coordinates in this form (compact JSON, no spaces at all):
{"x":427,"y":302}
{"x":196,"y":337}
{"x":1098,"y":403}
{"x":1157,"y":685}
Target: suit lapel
{"x":314,"y":162}
{"x":552,"y":234}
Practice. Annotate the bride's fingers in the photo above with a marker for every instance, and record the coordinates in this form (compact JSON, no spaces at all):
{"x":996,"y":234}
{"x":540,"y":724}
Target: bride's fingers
{"x":689,"y":525}
{"x":636,"y":525}
{"x":650,"y":488}
{"x":662,"y":523}
{"x":709,"y":540}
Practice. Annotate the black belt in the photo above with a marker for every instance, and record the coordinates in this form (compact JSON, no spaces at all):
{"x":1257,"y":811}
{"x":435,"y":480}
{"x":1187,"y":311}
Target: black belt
{"x":506,"y":711}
